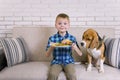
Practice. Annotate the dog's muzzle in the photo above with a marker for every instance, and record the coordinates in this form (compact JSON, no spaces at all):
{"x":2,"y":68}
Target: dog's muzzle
{"x":83,"y":43}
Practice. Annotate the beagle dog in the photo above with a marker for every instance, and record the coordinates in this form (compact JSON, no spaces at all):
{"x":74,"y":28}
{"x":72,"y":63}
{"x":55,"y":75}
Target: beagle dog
{"x":95,"y":47}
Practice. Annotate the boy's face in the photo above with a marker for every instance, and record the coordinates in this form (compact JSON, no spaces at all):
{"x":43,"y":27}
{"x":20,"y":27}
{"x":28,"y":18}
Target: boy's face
{"x":62,"y":24}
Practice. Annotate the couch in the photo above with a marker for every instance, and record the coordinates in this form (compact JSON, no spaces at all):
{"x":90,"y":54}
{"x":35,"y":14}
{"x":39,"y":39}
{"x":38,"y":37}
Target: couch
{"x":37,"y":65}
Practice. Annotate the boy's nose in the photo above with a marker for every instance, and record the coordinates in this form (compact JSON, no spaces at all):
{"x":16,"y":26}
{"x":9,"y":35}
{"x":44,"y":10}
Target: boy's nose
{"x":62,"y":24}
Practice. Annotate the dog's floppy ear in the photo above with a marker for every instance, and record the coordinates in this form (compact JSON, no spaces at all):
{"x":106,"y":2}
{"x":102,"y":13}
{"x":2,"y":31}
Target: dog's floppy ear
{"x":94,"y":42}
{"x":83,"y":35}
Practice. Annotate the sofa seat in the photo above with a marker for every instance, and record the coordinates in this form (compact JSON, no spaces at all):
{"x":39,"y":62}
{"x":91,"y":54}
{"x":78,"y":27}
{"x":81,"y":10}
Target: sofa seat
{"x":39,"y":71}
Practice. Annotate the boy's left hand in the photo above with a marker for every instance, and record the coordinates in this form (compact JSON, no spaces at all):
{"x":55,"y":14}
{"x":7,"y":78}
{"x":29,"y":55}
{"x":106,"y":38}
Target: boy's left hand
{"x":74,"y":46}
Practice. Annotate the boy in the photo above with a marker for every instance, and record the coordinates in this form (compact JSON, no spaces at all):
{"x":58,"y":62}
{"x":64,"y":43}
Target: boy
{"x":62,"y":56}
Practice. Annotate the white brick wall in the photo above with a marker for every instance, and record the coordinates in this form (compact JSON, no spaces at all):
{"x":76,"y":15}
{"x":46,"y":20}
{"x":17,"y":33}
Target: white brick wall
{"x":83,"y":13}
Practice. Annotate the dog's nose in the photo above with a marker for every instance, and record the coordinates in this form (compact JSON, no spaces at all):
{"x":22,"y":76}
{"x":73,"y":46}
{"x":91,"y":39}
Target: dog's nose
{"x":82,"y":44}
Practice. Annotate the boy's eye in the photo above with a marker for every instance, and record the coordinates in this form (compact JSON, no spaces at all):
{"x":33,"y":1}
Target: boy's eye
{"x":65,"y":23}
{"x":59,"y":23}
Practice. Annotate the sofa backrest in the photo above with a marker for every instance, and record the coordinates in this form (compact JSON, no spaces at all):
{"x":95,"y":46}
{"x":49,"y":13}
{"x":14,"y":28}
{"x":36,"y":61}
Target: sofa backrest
{"x":36,"y":39}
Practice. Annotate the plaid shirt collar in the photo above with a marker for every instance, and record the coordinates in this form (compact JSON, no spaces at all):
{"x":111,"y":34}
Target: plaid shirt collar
{"x":66,"y":35}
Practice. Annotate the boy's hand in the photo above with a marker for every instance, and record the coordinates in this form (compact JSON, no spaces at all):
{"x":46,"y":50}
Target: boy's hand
{"x":52,"y":45}
{"x":74,"y":46}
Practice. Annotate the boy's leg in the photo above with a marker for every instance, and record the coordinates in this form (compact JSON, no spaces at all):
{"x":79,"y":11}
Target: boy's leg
{"x":70,"y":72}
{"x":54,"y":72}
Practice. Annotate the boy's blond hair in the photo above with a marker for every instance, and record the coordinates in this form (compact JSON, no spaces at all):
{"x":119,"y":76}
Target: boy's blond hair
{"x":62,"y":15}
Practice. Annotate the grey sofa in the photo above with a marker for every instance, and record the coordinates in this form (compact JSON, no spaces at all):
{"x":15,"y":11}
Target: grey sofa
{"x":38,"y":65}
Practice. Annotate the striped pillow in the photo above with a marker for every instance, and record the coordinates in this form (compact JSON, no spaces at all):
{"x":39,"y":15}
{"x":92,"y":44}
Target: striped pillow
{"x":15,"y":50}
{"x":113,"y":52}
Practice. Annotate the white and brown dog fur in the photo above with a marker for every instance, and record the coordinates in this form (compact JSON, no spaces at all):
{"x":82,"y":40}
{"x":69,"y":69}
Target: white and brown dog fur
{"x":95,"y":49}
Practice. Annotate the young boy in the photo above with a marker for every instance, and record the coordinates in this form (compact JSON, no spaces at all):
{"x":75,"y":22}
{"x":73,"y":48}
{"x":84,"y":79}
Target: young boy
{"x":62,"y":56}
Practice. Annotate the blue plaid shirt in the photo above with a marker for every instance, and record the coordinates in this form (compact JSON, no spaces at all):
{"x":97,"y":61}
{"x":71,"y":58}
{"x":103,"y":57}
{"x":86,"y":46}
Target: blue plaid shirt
{"x":61,"y":55}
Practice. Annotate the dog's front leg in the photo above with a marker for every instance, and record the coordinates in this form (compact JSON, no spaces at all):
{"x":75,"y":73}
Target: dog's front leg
{"x":89,"y":67}
{"x":101,"y":66}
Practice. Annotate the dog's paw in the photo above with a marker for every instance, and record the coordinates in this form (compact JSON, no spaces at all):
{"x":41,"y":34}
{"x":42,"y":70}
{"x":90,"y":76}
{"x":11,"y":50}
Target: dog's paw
{"x":89,"y":68}
{"x":101,"y":70}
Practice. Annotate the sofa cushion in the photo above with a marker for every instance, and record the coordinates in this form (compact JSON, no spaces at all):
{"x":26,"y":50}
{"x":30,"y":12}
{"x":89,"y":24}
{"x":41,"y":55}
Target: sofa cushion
{"x":3,"y":62}
{"x":15,"y":50}
{"x":113,"y":52}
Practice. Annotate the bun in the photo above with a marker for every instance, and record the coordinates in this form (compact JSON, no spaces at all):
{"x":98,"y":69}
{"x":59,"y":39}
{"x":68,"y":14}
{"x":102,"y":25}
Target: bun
{"x":67,"y":42}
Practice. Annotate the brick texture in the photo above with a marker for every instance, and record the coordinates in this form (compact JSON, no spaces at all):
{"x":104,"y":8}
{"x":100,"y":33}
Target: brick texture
{"x":83,"y":13}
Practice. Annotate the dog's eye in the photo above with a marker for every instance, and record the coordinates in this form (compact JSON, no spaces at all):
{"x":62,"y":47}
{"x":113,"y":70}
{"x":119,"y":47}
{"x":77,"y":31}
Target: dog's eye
{"x":83,"y":37}
{"x":88,"y":39}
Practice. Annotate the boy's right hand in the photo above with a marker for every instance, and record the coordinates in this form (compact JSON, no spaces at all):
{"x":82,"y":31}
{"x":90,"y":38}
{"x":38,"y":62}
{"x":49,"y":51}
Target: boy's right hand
{"x":52,"y":44}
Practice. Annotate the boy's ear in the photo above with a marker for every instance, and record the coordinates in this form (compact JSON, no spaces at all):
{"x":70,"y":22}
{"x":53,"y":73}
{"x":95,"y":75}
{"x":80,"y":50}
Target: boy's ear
{"x":55,"y":25}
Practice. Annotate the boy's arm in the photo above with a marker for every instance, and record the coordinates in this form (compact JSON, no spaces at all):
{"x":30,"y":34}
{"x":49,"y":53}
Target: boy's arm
{"x":49,"y":51}
{"x":74,"y":46}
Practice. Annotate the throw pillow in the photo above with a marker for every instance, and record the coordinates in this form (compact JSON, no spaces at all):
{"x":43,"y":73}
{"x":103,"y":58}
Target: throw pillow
{"x":15,"y":50}
{"x":3,"y":62}
{"x":112,"y":52}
